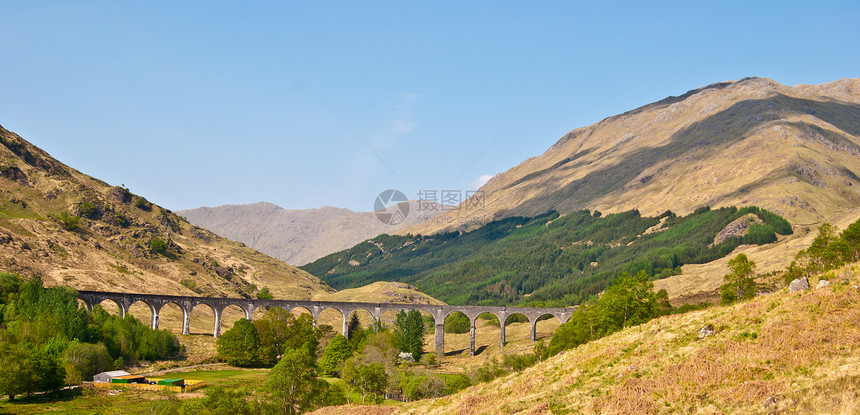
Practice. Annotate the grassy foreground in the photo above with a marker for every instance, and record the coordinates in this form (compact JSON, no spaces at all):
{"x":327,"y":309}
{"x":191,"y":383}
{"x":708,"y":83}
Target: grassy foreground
{"x":778,"y":353}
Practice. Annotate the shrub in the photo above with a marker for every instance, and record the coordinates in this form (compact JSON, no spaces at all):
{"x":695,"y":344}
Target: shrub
{"x":158,"y":245}
{"x":69,"y":222}
{"x":122,"y":220}
{"x":142,"y":204}
{"x":264,"y":293}
{"x":190,"y":284}
{"x":89,"y":210}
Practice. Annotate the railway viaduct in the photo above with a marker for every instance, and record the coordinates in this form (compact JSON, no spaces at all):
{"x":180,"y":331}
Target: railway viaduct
{"x":439,"y":312}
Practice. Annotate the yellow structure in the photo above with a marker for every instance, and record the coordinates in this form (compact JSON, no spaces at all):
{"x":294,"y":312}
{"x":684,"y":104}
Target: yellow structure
{"x":190,"y":385}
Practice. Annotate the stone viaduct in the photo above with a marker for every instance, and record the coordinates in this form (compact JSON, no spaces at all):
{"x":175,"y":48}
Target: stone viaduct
{"x":439,"y":312}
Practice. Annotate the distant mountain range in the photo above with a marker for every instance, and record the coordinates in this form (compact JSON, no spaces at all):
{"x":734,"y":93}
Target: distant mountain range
{"x":298,"y":237}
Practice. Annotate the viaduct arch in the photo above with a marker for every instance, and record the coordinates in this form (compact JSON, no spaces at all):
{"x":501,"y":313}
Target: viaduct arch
{"x":439,"y":312}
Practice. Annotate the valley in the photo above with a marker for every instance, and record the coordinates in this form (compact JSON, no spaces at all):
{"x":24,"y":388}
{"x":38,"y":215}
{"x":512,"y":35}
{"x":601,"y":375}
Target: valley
{"x":638,"y":221}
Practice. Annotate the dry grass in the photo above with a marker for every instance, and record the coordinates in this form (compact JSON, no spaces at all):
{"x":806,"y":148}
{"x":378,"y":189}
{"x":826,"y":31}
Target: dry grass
{"x":803,"y":350}
{"x":697,"y":278}
{"x":102,"y":255}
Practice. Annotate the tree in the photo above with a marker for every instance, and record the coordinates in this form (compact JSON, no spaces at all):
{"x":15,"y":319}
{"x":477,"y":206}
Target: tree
{"x":294,"y":384}
{"x":381,"y":348}
{"x":825,"y":252}
{"x":740,"y":282}
{"x":279,"y":330}
{"x":629,"y":301}
{"x":83,"y":360}
{"x":349,"y":374}
{"x":354,"y":332}
{"x":239,"y":345}
{"x":336,"y":352}
{"x":50,"y":373}
{"x":371,"y":379}
{"x":17,"y":373}
{"x":851,"y":236}
{"x":223,"y":401}
{"x":409,"y":333}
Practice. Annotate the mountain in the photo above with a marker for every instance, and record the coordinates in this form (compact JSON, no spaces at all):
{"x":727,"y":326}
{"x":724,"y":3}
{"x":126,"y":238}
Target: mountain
{"x":791,"y":150}
{"x":549,"y":260}
{"x":297,"y":236}
{"x":75,"y":230}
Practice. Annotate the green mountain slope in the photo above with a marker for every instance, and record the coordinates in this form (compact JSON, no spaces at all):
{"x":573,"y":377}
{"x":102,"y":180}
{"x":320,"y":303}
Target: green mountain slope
{"x":548,"y":259}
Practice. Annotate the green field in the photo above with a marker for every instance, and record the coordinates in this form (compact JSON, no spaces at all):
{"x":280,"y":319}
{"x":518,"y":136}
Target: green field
{"x":91,"y":400}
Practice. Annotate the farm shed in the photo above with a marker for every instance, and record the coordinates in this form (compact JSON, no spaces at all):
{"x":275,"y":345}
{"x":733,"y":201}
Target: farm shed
{"x":108,"y":377}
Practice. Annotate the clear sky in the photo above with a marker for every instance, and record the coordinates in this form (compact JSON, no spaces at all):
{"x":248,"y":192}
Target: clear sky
{"x":328,"y":103}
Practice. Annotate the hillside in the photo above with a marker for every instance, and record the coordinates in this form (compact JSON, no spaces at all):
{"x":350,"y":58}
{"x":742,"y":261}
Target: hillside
{"x":792,"y":150}
{"x":76,"y":230}
{"x":549,"y":259}
{"x":295,"y":236}
{"x":778,"y":353}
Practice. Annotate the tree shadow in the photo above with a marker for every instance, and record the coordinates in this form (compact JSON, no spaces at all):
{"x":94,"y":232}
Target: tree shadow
{"x":57,"y":396}
{"x":456,"y":352}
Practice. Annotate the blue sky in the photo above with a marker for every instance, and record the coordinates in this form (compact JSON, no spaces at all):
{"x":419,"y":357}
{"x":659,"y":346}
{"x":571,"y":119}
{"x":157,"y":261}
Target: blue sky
{"x":328,"y":103}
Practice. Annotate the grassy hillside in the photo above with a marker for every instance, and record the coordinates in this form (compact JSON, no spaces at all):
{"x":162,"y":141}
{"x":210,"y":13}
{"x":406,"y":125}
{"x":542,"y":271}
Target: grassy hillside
{"x":778,"y":353}
{"x":548,"y":259}
{"x":76,"y":230}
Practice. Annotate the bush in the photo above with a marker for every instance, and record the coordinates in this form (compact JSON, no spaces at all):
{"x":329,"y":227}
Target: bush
{"x":456,"y":383}
{"x":158,"y":246}
{"x":122,"y":220}
{"x":142,"y":204}
{"x":190,"y":284}
{"x":69,"y":222}
{"x":89,"y":210}
{"x":264,"y":293}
